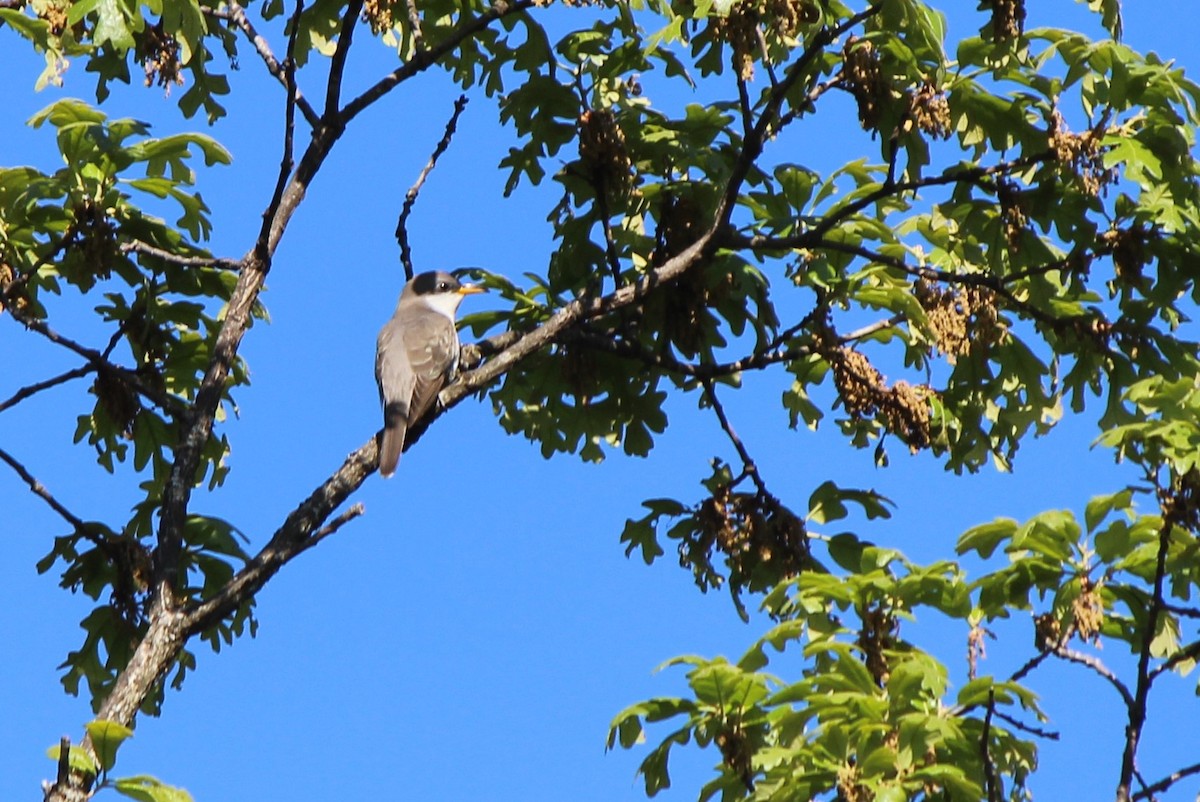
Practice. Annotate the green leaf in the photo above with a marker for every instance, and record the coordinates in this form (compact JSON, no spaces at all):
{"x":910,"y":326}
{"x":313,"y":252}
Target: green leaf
{"x":145,"y":788}
{"x":77,"y":757}
{"x":107,"y":737}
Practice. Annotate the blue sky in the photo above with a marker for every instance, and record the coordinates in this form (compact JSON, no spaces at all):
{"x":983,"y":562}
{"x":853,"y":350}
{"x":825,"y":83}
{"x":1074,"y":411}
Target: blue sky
{"x":473,"y":634}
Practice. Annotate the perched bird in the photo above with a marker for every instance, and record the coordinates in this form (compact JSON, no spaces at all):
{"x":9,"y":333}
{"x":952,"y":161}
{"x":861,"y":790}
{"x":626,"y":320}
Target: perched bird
{"x":416,"y":354}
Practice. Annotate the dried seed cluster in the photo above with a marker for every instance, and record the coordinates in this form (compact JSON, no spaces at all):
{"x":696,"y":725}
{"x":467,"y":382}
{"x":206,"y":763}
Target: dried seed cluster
{"x":1012,"y":212}
{"x":55,"y":15}
{"x":961,"y":318}
{"x":754,"y":531}
{"x":17,"y":300}
{"x":849,"y":788}
{"x":1008,"y":19}
{"x":378,"y":14}
{"x":1127,"y":246}
{"x":118,"y":401}
{"x":159,"y":53}
{"x":95,"y":237}
{"x":1047,"y":632}
{"x":976,"y":650}
{"x":1081,"y":153}
{"x":749,"y":22}
{"x":602,"y":149}
{"x":903,"y":408}
{"x":929,"y":110}
{"x":1087,"y":611}
{"x":737,"y":752}
{"x":876,"y":637}
{"x":865,"y":81}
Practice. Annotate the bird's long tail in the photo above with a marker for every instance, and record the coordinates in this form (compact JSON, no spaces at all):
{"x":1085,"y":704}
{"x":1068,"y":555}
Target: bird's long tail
{"x":395,"y":427}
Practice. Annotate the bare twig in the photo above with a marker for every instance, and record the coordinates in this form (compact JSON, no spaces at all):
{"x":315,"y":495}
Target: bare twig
{"x":236,"y":14}
{"x":41,"y":492}
{"x":749,"y":467}
{"x":171,"y":404}
{"x":423,"y":59}
{"x":286,"y":161}
{"x":34,"y":389}
{"x":137,"y":246}
{"x":410,"y":197}
{"x":1166,"y":782}
{"x":1023,"y":727}
{"x":1097,"y":666}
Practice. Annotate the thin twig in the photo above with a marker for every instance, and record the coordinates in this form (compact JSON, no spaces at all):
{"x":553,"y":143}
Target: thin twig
{"x":1166,"y":782}
{"x":1023,"y":727}
{"x":1097,"y":666}
{"x":34,"y":389}
{"x":236,"y":14}
{"x":414,"y":23}
{"x":41,"y":492}
{"x":137,"y":246}
{"x":423,"y":59}
{"x":410,"y":197}
{"x":286,"y":161}
{"x":334,"y":525}
{"x":749,"y":468}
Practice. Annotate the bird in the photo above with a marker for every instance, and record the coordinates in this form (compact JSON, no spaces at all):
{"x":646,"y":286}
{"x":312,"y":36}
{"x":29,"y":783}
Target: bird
{"x":416,"y":354}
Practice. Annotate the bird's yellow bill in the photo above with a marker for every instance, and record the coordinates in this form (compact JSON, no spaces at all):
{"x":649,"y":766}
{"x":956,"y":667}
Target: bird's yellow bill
{"x":470,"y":289}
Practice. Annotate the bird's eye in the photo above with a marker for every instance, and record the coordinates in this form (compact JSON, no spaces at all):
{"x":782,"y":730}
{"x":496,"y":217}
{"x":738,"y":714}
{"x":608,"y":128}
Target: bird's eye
{"x":443,"y":285}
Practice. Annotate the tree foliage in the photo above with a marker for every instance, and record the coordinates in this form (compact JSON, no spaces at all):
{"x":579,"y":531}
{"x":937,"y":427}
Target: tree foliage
{"x":1014,"y":241}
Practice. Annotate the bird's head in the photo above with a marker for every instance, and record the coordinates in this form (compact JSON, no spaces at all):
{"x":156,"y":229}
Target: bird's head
{"x":438,"y":290}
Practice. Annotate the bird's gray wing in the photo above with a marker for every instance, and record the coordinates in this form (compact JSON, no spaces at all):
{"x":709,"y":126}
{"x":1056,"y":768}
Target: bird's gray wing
{"x":396,"y":380}
{"x":432,"y":352}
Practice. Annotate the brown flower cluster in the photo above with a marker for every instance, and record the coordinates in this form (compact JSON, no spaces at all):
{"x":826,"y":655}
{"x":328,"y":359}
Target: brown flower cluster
{"x":9,"y":290}
{"x":1081,"y":153}
{"x":903,"y":408}
{"x":848,"y":786}
{"x":737,"y":752}
{"x":1008,"y":19}
{"x":748,"y":22}
{"x":1127,"y":246}
{"x":95,"y":235}
{"x":865,"y":81}
{"x":877,"y":636}
{"x":1047,"y":632}
{"x":961,"y":318}
{"x":55,"y":15}
{"x":602,"y":149}
{"x":158,"y":52}
{"x":378,"y":14}
{"x":754,"y":531}
{"x":929,"y":110}
{"x":1012,"y":212}
{"x":976,"y":649}
{"x":1087,"y":611}
{"x":118,"y":401}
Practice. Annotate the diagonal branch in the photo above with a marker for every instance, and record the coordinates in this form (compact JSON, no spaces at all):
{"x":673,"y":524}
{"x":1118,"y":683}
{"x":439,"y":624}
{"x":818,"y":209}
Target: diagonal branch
{"x":423,"y":59}
{"x":337,"y":64}
{"x":410,"y":197}
{"x":34,"y":389}
{"x":137,"y":246}
{"x":1166,"y":782}
{"x":41,"y":492}
{"x":236,"y":14}
{"x":749,"y":467}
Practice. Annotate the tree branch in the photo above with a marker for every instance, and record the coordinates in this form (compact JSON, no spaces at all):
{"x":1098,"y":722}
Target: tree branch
{"x":991,"y":781}
{"x":236,"y":14}
{"x":749,"y":467}
{"x":1166,"y":782}
{"x":137,"y":246}
{"x":41,"y":492}
{"x":410,"y":197}
{"x":337,"y":65}
{"x":423,"y":59}
{"x":1136,"y":705}
{"x":34,"y":389}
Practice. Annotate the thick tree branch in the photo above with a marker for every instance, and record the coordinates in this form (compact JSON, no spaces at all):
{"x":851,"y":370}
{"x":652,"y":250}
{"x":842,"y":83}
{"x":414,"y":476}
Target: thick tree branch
{"x":337,"y":65}
{"x":410,"y":197}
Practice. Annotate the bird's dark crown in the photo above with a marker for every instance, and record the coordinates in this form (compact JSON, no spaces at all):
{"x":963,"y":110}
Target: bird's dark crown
{"x":435,"y":281}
